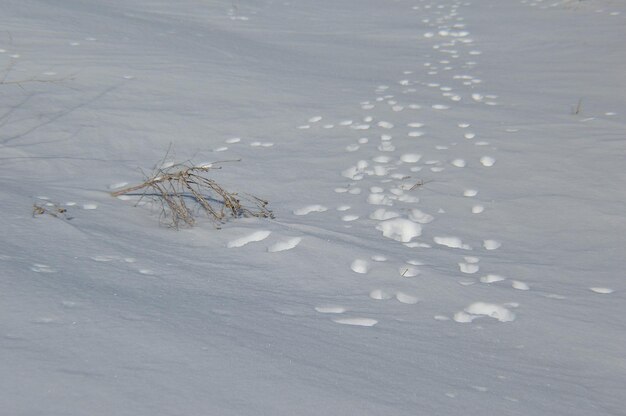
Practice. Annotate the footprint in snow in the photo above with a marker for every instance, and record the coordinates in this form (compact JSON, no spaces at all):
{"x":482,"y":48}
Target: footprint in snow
{"x":469,"y":268}
{"x":250,"y":238}
{"x":42,"y":268}
{"x":407,"y":299}
{"x":479,"y":309}
{"x":309,"y":209}
{"x":601,"y":290}
{"x":380,"y":294}
{"x":452,"y":242}
{"x":284,"y":245}
{"x":491,"y":244}
{"x":336,"y":309}
{"x":491,"y":278}
{"x":260,"y":144}
{"x":360,"y":266}
{"x":330,"y":309}
{"x":516,"y":284}
{"x":487,"y":161}
{"x":103,"y":259}
{"x":356,"y":321}
{"x":400,"y":229}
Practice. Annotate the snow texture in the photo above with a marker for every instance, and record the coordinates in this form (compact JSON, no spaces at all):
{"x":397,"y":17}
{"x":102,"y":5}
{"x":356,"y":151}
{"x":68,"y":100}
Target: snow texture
{"x":448,"y":183}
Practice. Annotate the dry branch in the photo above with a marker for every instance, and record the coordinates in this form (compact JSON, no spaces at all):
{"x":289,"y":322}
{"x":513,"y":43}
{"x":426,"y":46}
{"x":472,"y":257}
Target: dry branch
{"x":184,"y":190}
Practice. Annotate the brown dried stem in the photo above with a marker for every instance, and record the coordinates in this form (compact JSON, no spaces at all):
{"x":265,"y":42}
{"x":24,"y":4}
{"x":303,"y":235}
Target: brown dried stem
{"x":175,"y":185}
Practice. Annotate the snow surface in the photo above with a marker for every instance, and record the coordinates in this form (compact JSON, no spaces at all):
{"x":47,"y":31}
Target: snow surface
{"x":492,"y":132}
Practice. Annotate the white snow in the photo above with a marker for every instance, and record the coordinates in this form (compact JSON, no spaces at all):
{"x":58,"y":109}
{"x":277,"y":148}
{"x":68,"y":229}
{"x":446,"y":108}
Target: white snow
{"x":429,"y":163}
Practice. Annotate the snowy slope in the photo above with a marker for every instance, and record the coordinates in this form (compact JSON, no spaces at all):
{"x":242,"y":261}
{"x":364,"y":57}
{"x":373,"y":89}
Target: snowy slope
{"x":449,"y":191}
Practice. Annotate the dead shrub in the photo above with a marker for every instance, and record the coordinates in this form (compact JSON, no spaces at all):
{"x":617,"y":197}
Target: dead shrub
{"x":183,"y":191}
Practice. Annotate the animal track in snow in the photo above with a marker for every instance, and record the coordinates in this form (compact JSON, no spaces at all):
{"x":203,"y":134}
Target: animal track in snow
{"x":309,"y":209}
{"x":385,"y":125}
{"x":452,"y":242}
{"x":380,"y":294}
{"x":601,"y":290}
{"x":406,"y":298}
{"x":104,"y":258}
{"x":349,"y":218}
{"x":356,"y":321}
{"x":478,"y":309}
{"x":410,"y":157}
{"x":330,"y":309}
{"x":491,"y":244}
{"x":491,"y":278}
{"x":487,"y":161}
{"x":250,"y":238}
{"x":516,"y":284}
{"x":469,"y":268}
{"x":360,"y":266}
{"x":400,"y":229}
{"x":420,"y":216}
{"x":459,"y":163}
{"x":284,"y":245}
{"x":42,"y":268}
{"x":261,"y":144}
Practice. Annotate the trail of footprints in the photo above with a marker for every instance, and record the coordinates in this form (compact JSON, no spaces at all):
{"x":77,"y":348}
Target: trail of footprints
{"x":386,"y":177}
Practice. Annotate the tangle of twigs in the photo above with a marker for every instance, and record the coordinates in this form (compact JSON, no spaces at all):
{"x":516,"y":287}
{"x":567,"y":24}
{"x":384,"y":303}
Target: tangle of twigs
{"x":183,"y":190}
